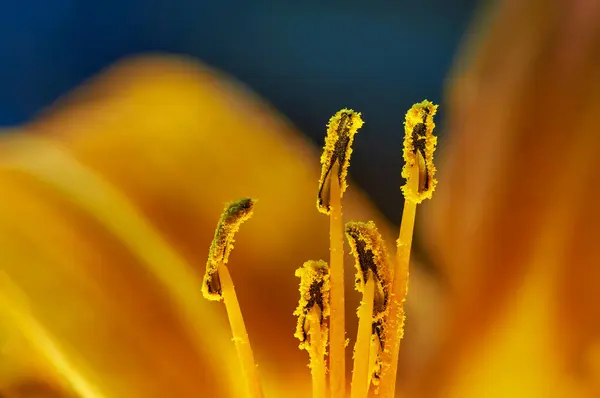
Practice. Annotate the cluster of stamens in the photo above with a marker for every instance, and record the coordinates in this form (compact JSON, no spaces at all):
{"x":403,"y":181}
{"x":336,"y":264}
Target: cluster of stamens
{"x":320,"y":311}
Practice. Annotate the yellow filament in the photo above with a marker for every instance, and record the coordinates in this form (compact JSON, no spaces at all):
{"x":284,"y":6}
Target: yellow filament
{"x":399,"y":291}
{"x":374,"y":354}
{"x":317,"y":354}
{"x":336,"y":268}
{"x":361,"y":370}
{"x":240,"y":335}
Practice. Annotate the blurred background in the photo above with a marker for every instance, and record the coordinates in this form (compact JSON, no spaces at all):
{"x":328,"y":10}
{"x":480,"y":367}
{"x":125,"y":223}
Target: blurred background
{"x":308,"y":59}
{"x":513,"y":309}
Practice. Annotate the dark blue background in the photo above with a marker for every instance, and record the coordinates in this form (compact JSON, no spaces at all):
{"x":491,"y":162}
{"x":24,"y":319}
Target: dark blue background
{"x":309,"y":58}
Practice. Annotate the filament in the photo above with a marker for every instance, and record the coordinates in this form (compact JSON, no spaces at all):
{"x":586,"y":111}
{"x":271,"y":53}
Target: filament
{"x":337,"y":345}
{"x":361,"y":370}
{"x":240,"y":335}
{"x":317,"y":354}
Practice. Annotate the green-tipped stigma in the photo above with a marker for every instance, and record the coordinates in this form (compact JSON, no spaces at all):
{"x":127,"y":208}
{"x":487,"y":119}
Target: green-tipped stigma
{"x":233,"y":216}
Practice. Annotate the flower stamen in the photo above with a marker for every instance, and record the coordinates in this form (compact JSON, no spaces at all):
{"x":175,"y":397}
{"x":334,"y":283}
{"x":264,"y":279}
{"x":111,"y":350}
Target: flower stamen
{"x":419,"y":172}
{"x":419,"y":146}
{"x":332,"y":184}
{"x":372,"y":280}
{"x":233,"y":216}
{"x":218,"y":286}
{"x":312,"y":311}
{"x":337,"y":151}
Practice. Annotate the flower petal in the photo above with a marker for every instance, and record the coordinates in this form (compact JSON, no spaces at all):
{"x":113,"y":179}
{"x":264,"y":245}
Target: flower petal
{"x":515,"y":217}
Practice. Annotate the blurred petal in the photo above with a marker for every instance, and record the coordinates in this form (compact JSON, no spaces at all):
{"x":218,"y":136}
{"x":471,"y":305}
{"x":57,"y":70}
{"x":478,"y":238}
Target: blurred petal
{"x":515,"y":221}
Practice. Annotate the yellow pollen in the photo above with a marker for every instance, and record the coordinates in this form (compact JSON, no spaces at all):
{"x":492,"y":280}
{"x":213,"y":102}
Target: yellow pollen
{"x":338,"y":148}
{"x":312,"y":312}
{"x":373,"y":280}
{"x":233,"y":216}
{"x":419,"y":146}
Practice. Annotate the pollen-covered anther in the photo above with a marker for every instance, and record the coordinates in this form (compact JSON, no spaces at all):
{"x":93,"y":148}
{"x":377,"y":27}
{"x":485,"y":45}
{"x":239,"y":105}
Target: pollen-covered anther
{"x":419,"y":147}
{"x":233,"y":216}
{"x":218,"y":285}
{"x":312,"y":311}
{"x":314,"y":292}
{"x":373,"y":280}
{"x":336,"y":154}
{"x":369,"y":251}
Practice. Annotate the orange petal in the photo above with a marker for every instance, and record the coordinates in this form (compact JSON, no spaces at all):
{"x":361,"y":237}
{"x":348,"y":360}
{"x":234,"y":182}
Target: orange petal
{"x":515,"y":216}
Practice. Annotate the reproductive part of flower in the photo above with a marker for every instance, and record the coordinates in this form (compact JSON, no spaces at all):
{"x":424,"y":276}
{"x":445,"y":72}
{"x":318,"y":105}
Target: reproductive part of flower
{"x":234,"y":215}
{"x":419,"y":146}
{"x":419,"y":171}
{"x":161,"y":185}
{"x":218,"y":286}
{"x":338,"y":148}
{"x":335,"y":161}
{"x":314,"y":291}
{"x":371,"y":262}
{"x":312,"y":312}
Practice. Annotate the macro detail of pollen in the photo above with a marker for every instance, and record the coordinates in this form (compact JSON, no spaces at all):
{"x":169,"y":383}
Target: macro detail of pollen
{"x":107,"y":255}
{"x":112,"y":197}
{"x":103,"y":296}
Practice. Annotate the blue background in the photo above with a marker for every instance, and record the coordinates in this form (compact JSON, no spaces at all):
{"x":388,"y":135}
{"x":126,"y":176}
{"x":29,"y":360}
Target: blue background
{"x":309,"y":58}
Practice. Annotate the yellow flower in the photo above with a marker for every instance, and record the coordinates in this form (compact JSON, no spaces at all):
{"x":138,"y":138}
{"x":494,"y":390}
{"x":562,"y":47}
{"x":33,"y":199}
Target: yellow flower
{"x":110,"y":201}
{"x":109,"y":205}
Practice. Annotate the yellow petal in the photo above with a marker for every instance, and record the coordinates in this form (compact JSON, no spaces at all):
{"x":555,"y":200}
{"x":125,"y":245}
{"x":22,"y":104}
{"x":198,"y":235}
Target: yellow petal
{"x":516,"y":213}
